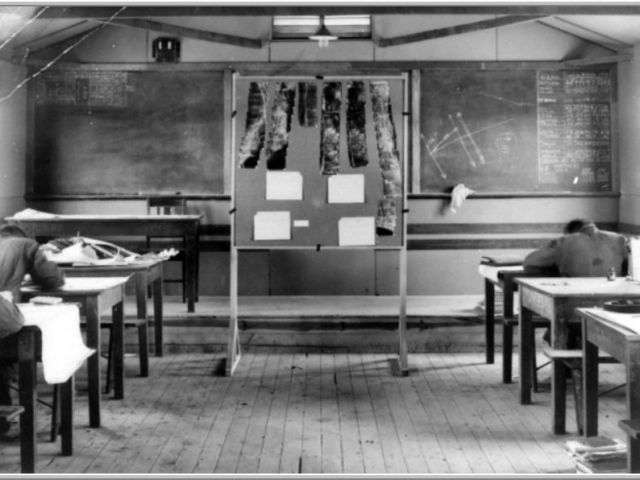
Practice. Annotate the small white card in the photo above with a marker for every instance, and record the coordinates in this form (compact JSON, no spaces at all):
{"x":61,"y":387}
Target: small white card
{"x":284,"y":185}
{"x":356,"y":231}
{"x":272,"y":226}
{"x":347,"y":188}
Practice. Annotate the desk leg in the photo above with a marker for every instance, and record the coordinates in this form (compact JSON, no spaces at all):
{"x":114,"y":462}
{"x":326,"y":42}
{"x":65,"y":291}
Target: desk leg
{"x":157,"y":315}
{"x":66,"y":427}
{"x":93,"y":362}
{"x":27,"y":378}
{"x":525,"y":332}
{"x":559,"y":371}
{"x":590,"y":384}
{"x":141,"y":294}
{"x":489,"y":318}
{"x":633,"y":406}
{"x":191,"y":254}
{"x":117,"y":330}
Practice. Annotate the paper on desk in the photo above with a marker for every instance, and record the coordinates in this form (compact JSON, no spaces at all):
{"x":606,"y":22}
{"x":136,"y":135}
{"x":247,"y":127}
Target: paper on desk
{"x":63,"y":349}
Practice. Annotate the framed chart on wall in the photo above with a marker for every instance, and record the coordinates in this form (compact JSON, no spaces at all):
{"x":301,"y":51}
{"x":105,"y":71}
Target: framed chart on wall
{"x":319,"y":162}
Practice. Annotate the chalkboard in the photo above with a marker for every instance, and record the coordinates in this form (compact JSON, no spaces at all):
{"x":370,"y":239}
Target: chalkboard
{"x":314,"y":220}
{"x":516,"y":130}
{"x":128,"y":132}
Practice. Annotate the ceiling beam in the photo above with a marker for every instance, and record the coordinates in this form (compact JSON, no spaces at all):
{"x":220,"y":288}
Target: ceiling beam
{"x":581,"y":62}
{"x":189,"y":32}
{"x":454,"y":30}
{"x":264,"y":10}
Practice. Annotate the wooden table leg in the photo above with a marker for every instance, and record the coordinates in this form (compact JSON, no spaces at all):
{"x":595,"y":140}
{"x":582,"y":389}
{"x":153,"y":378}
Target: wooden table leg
{"x":633,"y":406}
{"x":157,"y":315}
{"x":141,"y":294}
{"x":590,"y":384}
{"x":93,"y":362}
{"x":27,"y":387}
{"x":489,"y":318}
{"x":191,"y":258}
{"x":526,"y":354}
{"x":66,"y":427}
{"x":117,"y":330}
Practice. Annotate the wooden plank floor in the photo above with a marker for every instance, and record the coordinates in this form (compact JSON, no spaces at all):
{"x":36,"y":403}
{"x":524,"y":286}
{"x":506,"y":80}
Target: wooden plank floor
{"x":318,"y":413}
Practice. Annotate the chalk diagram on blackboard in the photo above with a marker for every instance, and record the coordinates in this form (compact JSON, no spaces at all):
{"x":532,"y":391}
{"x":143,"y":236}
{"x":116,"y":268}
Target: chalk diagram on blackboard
{"x":477,"y":128}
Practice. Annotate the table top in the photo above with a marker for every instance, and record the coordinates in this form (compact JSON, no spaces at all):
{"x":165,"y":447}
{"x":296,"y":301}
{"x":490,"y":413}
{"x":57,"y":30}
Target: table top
{"x":626,"y":323}
{"x":103,"y":217}
{"x":491,"y":272}
{"x":116,"y":266}
{"x":581,"y":286}
{"x":81,"y":285}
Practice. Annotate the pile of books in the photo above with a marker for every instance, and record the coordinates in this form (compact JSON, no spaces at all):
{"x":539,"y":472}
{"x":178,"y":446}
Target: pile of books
{"x":598,"y":454}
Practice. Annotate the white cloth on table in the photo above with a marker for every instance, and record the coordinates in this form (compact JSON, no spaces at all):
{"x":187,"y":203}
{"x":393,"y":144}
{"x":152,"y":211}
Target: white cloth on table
{"x":63,"y":349}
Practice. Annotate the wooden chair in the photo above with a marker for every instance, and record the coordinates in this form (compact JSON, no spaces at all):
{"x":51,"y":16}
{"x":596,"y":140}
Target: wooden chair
{"x":170,"y":205}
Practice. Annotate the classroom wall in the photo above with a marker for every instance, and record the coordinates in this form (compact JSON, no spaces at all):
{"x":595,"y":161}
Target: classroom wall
{"x":629,"y":140}
{"x":439,"y":271}
{"x":12,"y":138}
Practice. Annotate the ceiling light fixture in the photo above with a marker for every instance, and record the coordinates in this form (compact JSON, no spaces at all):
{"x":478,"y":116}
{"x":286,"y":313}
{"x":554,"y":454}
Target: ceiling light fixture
{"x":323,"y":35}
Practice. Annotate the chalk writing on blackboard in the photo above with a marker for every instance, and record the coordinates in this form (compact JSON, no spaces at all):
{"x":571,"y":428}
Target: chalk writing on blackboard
{"x":99,"y":89}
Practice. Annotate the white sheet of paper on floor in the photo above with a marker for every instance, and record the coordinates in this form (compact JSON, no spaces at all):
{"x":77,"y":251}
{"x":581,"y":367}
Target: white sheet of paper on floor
{"x":272,"y":225}
{"x":284,"y":185}
{"x":347,"y":188}
{"x":356,"y":231}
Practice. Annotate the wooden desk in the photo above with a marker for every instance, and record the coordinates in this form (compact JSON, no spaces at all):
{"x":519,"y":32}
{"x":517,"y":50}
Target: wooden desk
{"x":144,"y":273}
{"x":556,"y":299}
{"x":95,"y":295}
{"x":623,"y":344}
{"x":501,"y":277}
{"x":185,"y":226}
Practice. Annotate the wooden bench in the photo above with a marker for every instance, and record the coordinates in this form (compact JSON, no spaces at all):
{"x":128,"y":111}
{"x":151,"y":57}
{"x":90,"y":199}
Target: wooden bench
{"x":27,"y":448}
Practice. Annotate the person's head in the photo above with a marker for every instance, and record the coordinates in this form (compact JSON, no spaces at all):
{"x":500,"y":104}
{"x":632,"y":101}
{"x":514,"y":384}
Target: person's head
{"x":11,"y":231}
{"x":576,"y":225}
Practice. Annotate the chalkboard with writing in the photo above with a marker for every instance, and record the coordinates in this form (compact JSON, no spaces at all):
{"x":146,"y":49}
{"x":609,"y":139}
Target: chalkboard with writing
{"x":516,"y":131}
{"x":127,"y":132}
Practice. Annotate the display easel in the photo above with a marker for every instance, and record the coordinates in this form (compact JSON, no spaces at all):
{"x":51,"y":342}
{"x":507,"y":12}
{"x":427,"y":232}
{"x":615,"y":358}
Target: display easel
{"x":248,"y":197}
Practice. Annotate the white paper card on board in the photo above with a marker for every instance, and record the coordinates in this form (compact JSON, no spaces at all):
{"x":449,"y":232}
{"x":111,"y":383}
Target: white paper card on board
{"x":634,"y":262}
{"x":284,"y":185}
{"x":347,"y":188}
{"x":301,"y":223}
{"x":356,"y":231}
{"x":272,"y":226}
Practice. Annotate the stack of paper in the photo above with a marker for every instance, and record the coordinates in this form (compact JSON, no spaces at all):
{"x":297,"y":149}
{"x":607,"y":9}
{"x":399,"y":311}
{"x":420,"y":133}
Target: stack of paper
{"x":598,"y":454}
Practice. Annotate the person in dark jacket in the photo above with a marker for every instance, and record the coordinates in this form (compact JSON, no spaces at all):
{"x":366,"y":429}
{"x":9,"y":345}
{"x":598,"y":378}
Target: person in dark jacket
{"x":19,"y":256}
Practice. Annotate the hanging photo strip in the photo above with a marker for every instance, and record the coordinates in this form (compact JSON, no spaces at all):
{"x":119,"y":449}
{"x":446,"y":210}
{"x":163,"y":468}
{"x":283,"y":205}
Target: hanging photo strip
{"x":330,"y":128}
{"x":280,"y":126}
{"x":307,"y":104}
{"x":253,"y":140}
{"x":356,"y":123}
{"x":388,"y":157}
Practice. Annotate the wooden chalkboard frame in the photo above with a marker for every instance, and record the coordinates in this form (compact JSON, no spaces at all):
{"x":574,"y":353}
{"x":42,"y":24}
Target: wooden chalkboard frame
{"x":419,"y":148}
{"x":219,"y":190}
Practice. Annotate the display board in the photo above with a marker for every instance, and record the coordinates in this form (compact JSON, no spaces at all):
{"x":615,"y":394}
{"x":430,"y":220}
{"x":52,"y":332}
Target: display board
{"x":127,"y":132}
{"x":517,"y":130}
{"x":319,"y":162}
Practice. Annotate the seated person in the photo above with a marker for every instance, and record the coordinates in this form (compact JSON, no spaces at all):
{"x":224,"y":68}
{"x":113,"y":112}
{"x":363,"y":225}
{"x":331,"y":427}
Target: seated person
{"x":19,"y":256}
{"x":583,"y":251}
